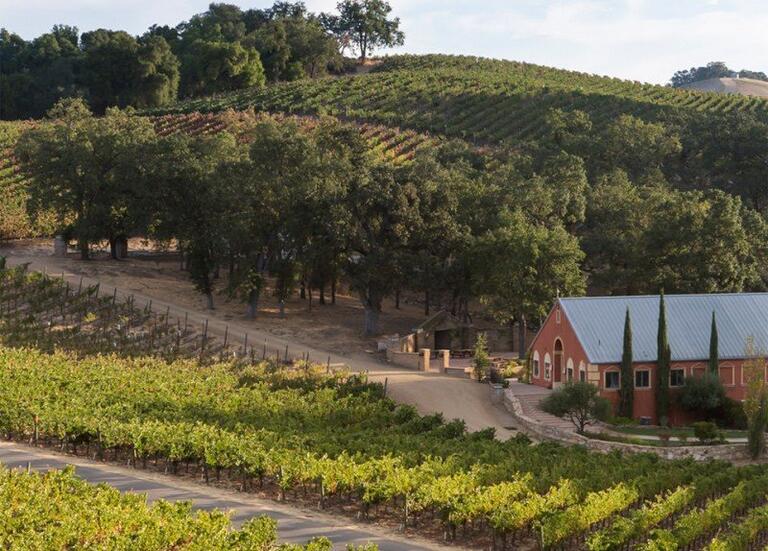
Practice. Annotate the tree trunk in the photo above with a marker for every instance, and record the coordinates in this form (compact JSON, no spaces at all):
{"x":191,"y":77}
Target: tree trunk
{"x":322,"y":293}
{"x":333,"y":290}
{"x":282,"y":309}
{"x":82,"y":243}
{"x":121,"y":246}
{"x":426,"y":303}
{"x":523,"y":328}
{"x":209,"y":300}
{"x":253,"y":303}
{"x":113,"y":248}
{"x":371,"y":321}
{"x":397,"y":298}
{"x":309,"y":295}
{"x":303,"y":290}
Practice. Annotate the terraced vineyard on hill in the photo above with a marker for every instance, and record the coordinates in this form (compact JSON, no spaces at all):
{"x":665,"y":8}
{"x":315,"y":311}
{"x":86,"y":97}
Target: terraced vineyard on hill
{"x":478,"y":99}
{"x":392,"y":144}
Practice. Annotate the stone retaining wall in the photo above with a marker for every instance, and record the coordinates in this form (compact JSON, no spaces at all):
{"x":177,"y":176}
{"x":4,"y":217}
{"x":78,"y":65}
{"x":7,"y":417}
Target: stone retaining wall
{"x":728,"y":452}
{"x":411,"y":360}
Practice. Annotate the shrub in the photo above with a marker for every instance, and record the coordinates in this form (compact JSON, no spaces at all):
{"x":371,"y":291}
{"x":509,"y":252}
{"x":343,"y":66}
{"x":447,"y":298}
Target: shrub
{"x":453,"y":429}
{"x":512,"y":369}
{"x":731,"y":414}
{"x":481,"y":362}
{"x":704,"y":394}
{"x":756,"y":400}
{"x":578,"y":402}
{"x":706,"y":432}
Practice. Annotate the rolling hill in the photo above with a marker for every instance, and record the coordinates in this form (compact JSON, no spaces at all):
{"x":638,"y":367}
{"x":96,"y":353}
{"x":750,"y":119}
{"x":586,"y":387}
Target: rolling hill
{"x":481,"y":100}
{"x":409,"y":102}
{"x":739,"y":86}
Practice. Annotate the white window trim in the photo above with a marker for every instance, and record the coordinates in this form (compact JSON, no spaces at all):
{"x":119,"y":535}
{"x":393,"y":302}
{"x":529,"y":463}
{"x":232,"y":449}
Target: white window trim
{"x":696,"y":367}
{"x":547,"y":367}
{"x":605,"y":380}
{"x":536,"y":368}
{"x":582,"y":369}
{"x":670,"y":377}
{"x":733,"y":373}
{"x":650,"y":378}
{"x":742,"y":370}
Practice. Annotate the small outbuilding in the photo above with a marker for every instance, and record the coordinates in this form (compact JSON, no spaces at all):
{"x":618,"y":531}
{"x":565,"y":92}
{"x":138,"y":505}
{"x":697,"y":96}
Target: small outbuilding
{"x":443,"y":331}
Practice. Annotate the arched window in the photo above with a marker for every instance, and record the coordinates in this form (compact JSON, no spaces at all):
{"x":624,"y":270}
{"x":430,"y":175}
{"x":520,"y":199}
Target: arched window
{"x":569,"y":370}
{"x":536,"y":370}
{"x":547,"y":367}
{"x":582,"y":372}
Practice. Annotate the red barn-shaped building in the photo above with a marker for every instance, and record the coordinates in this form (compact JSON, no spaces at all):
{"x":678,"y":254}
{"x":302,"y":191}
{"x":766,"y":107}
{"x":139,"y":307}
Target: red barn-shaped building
{"x":582,"y":339}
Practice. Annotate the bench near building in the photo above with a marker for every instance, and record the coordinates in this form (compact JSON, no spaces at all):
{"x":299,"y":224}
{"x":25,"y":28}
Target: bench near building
{"x":582,"y":339}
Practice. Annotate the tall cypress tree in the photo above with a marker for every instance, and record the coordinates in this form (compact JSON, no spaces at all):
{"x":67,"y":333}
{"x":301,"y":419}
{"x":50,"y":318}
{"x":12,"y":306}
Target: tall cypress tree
{"x":713,"y":354}
{"x":662,"y":366}
{"x":627,"y":390}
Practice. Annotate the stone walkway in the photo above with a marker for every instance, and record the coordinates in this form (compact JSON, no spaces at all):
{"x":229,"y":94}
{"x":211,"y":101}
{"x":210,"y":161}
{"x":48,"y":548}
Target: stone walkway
{"x":530,"y":397}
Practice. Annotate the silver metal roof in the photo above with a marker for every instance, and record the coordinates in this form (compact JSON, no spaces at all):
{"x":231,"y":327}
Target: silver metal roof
{"x":599,"y":324}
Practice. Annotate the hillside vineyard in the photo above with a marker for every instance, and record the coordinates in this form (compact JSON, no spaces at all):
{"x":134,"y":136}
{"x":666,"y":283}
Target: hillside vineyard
{"x":481,"y":100}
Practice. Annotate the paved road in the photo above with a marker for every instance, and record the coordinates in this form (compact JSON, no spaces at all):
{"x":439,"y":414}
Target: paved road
{"x":294,"y":525}
{"x":454,"y":397}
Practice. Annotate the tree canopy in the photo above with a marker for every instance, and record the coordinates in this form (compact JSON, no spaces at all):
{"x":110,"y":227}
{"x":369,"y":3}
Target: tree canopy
{"x":365,"y":25}
{"x":311,"y":204}
{"x":224,"y":48}
{"x":713,"y":69}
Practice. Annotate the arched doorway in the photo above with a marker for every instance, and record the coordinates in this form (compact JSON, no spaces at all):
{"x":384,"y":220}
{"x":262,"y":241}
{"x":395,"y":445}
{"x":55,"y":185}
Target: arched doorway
{"x":558,"y":360}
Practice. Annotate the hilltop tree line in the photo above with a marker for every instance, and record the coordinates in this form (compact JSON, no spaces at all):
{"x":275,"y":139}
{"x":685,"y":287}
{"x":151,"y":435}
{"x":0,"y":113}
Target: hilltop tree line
{"x":713,"y":69}
{"x":511,"y":228}
{"x":222,"y":49}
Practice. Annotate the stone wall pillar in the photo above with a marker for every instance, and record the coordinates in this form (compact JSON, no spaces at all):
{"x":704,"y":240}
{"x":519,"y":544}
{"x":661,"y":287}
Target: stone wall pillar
{"x":425,"y":353}
{"x":446,"y":357}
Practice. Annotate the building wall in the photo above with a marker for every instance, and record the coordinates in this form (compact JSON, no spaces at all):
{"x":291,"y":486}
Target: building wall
{"x":557,"y":326}
{"x":731,"y":374}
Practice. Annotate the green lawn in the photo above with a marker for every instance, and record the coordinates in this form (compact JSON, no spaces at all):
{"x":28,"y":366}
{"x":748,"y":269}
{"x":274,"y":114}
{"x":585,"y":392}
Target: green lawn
{"x":675,"y":432}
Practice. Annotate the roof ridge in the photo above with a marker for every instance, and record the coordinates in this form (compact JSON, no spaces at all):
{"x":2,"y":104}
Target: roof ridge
{"x":617,"y":297}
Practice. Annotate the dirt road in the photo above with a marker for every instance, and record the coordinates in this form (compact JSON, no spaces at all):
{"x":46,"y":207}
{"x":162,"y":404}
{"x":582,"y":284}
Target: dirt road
{"x":294,"y":525}
{"x":429,"y":393}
